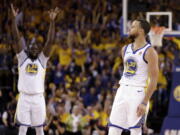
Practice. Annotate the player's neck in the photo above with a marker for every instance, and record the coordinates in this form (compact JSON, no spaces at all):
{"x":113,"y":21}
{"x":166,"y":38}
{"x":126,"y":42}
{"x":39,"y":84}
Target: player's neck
{"x":139,"y":42}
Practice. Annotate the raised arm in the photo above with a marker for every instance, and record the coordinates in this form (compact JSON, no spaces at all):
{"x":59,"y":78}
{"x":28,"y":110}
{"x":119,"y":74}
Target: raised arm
{"x":51,"y":33}
{"x":16,"y":34}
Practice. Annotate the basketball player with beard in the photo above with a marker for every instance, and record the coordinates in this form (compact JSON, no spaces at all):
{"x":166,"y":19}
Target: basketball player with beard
{"x":140,"y":65}
{"x":31,"y":111}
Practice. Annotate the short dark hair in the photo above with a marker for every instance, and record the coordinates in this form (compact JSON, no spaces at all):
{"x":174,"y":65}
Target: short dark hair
{"x":144,"y":25}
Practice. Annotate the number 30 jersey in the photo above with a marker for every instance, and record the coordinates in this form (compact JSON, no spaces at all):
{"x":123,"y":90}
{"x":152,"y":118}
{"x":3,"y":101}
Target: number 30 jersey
{"x":135,"y":66}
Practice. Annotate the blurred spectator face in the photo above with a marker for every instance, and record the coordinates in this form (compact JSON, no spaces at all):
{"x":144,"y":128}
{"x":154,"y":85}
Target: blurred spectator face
{"x":58,"y":93}
{"x":89,"y":109}
{"x":60,"y":109}
{"x":63,"y":44}
{"x":92,"y":91}
{"x":81,"y":106}
{"x":62,"y":128}
{"x":97,"y":83}
{"x":98,"y":107}
{"x":76,"y":110}
{"x":100,"y":97}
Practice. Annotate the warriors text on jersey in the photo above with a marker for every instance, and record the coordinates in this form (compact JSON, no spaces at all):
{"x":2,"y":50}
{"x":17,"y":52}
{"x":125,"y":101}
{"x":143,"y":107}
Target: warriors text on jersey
{"x":31,"y":73}
{"x":135,"y":66}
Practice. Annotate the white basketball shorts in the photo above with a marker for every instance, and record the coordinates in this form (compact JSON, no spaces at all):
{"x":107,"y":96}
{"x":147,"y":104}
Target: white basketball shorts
{"x":124,"y":110}
{"x":31,"y":110}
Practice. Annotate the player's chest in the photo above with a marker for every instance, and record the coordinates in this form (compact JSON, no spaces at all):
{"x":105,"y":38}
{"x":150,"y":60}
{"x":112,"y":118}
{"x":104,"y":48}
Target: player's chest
{"x":31,"y":67}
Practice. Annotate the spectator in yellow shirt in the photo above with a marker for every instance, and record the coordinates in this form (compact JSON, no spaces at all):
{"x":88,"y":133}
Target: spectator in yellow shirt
{"x":64,"y":53}
{"x":80,"y":57}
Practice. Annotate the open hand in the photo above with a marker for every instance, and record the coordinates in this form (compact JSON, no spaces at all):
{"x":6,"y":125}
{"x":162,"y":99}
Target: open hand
{"x":53,"y":13}
{"x":14,"y":11}
{"x":141,"y":110}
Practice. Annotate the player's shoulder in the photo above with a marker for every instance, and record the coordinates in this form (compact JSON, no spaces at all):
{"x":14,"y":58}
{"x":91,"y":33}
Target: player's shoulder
{"x":124,"y":48}
{"x":126,"y":45}
{"x":22,"y":53}
{"x":151,"y":52}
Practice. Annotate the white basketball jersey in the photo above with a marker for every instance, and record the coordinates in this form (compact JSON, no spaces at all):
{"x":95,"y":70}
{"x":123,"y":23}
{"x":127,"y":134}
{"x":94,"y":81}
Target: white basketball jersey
{"x":135,"y":66}
{"x":31,"y":73}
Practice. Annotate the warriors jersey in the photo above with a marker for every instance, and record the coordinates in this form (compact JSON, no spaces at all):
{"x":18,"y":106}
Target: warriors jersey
{"x":135,"y":66}
{"x":31,"y":73}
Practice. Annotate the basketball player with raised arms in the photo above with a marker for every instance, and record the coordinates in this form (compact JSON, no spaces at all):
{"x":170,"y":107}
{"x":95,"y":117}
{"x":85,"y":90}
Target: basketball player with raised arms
{"x":31,"y":110}
{"x":140,"y":65}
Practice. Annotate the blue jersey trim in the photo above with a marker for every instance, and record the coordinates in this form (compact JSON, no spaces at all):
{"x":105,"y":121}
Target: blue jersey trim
{"x":41,"y":125}
{"x":134,"y":127}
{"x":23,"y":61}
{"x":41,"y":63}
{"x":26,"y":125}
{"x":125,"y":49}
{"x":139,"y":124}
{"x":145,"y":53}
{"x":137,"y":49}
{"x":116,"y":126}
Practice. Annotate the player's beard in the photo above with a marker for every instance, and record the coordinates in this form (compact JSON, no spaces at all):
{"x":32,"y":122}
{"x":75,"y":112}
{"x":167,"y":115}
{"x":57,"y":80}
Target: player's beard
{"x":32,"y":57}
{"x":133,"y":37}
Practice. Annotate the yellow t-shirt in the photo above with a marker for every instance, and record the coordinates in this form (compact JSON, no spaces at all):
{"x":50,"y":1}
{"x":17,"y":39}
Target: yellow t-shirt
{"x":64,"y":117}
{"x":31,"y":35}
{"x":104,"y":118}
{"x":96,"y":114}
{"x":80,"y":79}
{"x":54,"y":50}
{"x":98,"y":47}
{"x":177,"y":41}
{"x":80,"y":57}
{"x":2,"y":46}
{"x":170,"y":55}
{"x":65,"y":56}
{"x":117,"y":63}
{"x":109,"y":46}
{"x":86,"y":118}
{"x":161,"y":56}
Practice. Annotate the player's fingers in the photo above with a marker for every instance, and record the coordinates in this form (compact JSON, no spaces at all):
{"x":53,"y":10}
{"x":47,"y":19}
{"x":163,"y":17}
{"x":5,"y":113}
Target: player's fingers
{"x":142,"y":111}
{"x":139,"y":112}
{"x":12,"y":6}
{"x":56,"y":9}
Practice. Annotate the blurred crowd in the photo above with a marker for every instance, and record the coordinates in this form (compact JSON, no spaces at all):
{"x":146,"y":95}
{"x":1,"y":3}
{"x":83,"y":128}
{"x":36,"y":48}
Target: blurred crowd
{"x":85,"y":65}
